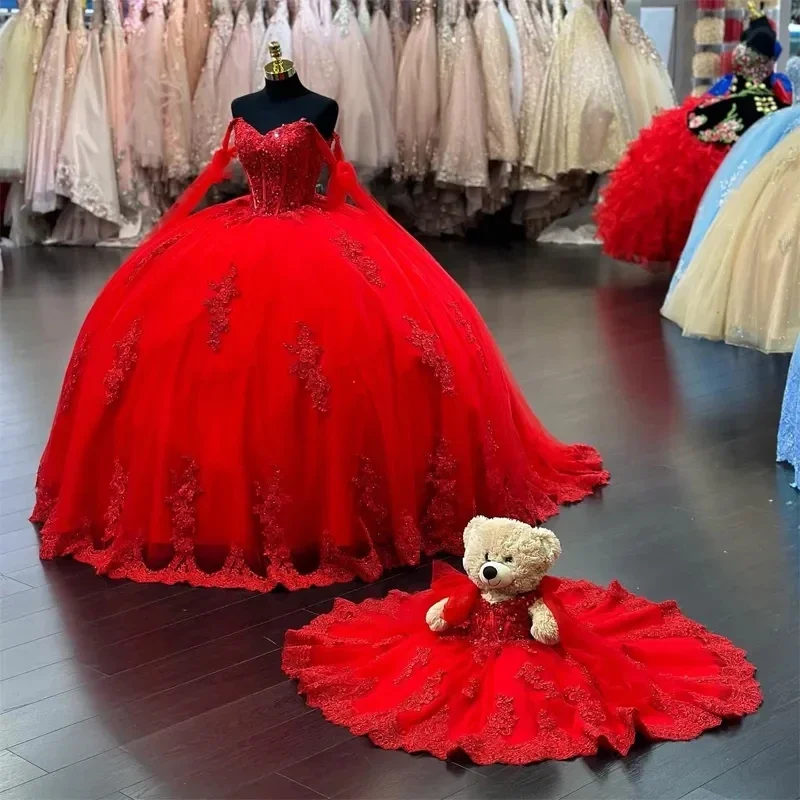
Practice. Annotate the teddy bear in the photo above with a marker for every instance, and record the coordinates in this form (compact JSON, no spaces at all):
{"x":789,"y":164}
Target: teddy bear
{"x":506,"y":558}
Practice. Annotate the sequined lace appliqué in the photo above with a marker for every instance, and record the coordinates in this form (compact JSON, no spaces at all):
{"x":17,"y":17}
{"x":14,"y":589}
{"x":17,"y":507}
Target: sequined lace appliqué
{"x":218,"y":307}
{"x":124,"y":361}
{"x":427,"y":343}
{"x":353,"y":251}
{"x":307,"y":366}
{"x":74,"y":372}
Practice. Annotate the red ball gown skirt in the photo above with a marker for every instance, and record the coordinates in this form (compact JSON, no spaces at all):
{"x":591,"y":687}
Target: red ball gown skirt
{"x":288,"y":389}
{"x":646,"y":211}
{"x":623,"y":666}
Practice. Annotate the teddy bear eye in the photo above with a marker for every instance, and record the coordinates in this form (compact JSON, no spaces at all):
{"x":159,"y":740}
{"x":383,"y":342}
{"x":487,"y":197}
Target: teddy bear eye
{"x":508,"y":559}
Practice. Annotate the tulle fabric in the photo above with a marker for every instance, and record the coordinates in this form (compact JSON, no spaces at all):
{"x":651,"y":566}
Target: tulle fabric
{"x":45,"y":118}
{"x":645,"y":79}
{"x":204,"y":103}
{"x":76,"y":44}
{"x":582,"y":123}
{"x":364,"y":18}
{"x":177,"y":98}
{"x":249,"y":420}
{"x":16,"y":90}
{"x":364,"y":124}
{"x":379,"y":42}
{"x":235,"y":77}
{"x":743,"y":157}
{"x":646,"y":211}
{"x":743,"y":284}
{"x":399,"y":30}
{"x":312,"y":51}
{"x":623,"y":666}
{"x":116,"y":71}
{"x":197,"y":28}
{"x":417,"y":98}
{"x":258,"y":30}
{"x":86,"y":172}
{"x":789,"y":429}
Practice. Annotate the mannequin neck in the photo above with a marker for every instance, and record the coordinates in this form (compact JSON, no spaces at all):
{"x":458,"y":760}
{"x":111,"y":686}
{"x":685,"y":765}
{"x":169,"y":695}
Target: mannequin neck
{"x":288,"y":89}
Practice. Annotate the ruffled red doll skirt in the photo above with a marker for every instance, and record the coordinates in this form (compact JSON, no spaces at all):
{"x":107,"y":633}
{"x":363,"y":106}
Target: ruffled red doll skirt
{"x":623,"y":665}
{"x":646,"y":212}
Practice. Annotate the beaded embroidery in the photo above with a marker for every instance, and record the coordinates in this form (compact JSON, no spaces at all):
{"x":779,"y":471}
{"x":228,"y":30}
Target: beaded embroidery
{"x":367,"y":484}
{"x":124,"y":361}
{"x":155,"y":252}
{"x":74,"y":372}
{"x":218,"y":307}
{"x":470,"y":333}
{"x":182,"y":502}
{"x":307,"y":366}
{"x":353,"y":251}
{"x":431,"y":357}
{"x":118,"y":487}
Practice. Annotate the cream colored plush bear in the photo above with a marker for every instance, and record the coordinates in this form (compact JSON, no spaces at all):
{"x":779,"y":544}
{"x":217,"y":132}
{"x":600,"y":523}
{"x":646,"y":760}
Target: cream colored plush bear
{"x":505,"y":558}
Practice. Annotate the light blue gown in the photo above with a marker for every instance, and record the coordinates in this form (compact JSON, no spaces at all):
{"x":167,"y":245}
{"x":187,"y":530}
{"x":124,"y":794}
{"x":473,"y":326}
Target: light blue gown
{"x":789,"y":431}
{"x":738,"y":164}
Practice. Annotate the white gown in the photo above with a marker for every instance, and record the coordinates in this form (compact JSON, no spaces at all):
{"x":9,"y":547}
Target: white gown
{"x":365,"y":124}
{"x":515,"y":57}
{"x":236,"y":72}
{"x":312,"y":51}
{"x":278,"y":30}
{"x":258,"y":33}
{"x":379,"y":42}
{"x":645,"y":78}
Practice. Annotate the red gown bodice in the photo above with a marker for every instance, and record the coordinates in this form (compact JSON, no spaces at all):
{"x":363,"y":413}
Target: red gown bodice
{"x":282,"y":165}
{"x":501,"y":622}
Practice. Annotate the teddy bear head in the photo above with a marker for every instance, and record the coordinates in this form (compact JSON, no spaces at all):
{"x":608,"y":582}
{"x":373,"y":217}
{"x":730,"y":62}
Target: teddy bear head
{"x":506,"y":556}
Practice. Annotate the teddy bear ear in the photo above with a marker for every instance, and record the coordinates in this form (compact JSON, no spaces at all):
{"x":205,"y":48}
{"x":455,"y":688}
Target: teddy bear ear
{"x":472,"y":527}
{"x":550,"y":543}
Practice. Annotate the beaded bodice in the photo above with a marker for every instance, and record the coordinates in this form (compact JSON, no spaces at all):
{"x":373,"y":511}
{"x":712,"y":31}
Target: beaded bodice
{"x":499,"y":622}
{"x":282,"y":165}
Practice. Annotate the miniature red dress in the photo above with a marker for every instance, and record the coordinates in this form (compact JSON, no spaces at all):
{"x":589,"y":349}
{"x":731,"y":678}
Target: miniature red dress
{"x":623,"y":666}
{"x":287,"y":388}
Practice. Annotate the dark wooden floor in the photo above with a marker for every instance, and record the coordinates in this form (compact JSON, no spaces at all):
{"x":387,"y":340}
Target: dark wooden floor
{"x":118,"y":690}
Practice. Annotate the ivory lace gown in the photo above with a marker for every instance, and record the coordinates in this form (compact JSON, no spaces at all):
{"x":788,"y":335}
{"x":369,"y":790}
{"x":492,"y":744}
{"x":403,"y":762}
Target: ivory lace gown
{"x":148,"y":112}
{"x":258,"y":40}
{"x":399,"y":30}
{"x":76,"y":44}
{"x":582,"y":122}
{"x":379,"y":42}
{"x":204,"y":104}
{"x":47,"y":111}
{"x":418,"y":97}
{"x":236,"y":71}
{"x":647,"y":85}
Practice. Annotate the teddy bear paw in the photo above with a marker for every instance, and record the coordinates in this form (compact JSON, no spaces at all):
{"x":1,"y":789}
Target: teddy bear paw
{"x":435,"y":616}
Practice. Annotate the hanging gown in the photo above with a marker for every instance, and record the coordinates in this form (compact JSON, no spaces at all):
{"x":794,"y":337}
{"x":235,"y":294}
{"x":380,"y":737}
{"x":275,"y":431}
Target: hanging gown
{"x":16,"y":90}
{"x":45,"y":124}
{"x":789,"y":429}
{"x":258,"y":31}
{"x":116,"y":72}
{"x":418,"y":97}
{"x":379,"y":42}
{"x":311,"y":48}
{"x":515,"y":75}
{"x":236,"y":72}
{"x":646,"y":211}
{"x":196,"y":30}
{"x":177,"y":99}
{"x":76,"y":44}
{"x":623,"y":666}
{"x":148,"y":106}
{"x":86,"y":172}
{"x":278,"y":30}
{"x":204,"y":104}
{"x":742,"y":285}
{"x":582,"y":122}
{"x":365,"y":124}
{"x":648,"y":87}
{"x":363,"y":16}
{"x":249,"y":420}
{"x":399,"y":30}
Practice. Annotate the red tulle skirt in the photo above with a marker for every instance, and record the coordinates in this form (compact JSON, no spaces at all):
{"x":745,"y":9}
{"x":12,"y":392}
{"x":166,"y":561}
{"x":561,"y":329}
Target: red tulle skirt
{"x":646,"y":212}
{"x":623,"y":665}
{"x":301,"y":399}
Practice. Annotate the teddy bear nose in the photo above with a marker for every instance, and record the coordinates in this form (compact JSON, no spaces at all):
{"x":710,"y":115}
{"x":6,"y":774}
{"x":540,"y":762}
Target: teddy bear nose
{"x":489,"y":572}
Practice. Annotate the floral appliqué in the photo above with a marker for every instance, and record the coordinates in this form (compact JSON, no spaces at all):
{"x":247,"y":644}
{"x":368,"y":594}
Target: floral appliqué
{"x":470,"y":333}
{"x":157,"y":251}
{"x":366,"y":481}
{"x":426,"y":341}
{"x":218,"y":307}
{"x":440,"y":514}
{"x":74,"y":372}
{"x":124,"y":361}
{"x":271,"y":502}
{"x":353,"y":251}
{"x":307,"y":366}
{"x":116,"y":501}
{"x":182,"y":503}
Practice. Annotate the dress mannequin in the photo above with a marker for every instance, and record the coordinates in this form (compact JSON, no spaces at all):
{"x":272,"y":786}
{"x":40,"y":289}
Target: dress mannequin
{"x":284,"y":99}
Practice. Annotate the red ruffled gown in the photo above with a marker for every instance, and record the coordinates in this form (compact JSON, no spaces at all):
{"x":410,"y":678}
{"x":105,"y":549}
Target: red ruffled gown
{"x":287,"y":389}
{"x":623,"y":666}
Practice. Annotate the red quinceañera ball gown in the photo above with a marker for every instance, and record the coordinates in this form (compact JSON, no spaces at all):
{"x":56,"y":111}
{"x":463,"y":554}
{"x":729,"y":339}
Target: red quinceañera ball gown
{"x":287,"y":388}
{"x":487,"y":688}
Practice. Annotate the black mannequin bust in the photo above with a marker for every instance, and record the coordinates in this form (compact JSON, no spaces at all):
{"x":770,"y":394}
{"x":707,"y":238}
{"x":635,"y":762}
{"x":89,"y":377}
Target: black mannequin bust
{"x":283,"y":101}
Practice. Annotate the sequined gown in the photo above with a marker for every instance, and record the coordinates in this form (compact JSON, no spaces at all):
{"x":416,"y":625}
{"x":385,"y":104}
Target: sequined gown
{"x":583,"y":123}
{"x":624,"y":666}
{"x":177,"y":98}
{"x":287,"y":389}
{"x":789,"y":430}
